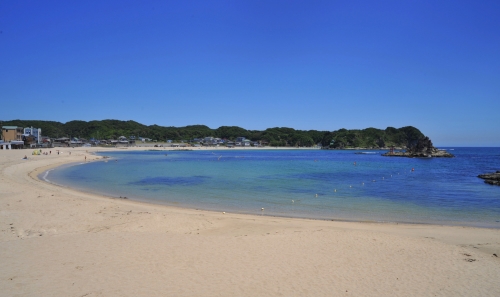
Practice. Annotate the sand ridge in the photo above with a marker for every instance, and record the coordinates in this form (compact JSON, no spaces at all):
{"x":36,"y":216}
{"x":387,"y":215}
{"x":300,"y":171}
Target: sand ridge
{"x":56,"y":241}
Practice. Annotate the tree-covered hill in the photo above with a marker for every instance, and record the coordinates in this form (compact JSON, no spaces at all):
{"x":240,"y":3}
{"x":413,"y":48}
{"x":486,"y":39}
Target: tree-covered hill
{"x":372,"y":137}
{"x":279,"y":136}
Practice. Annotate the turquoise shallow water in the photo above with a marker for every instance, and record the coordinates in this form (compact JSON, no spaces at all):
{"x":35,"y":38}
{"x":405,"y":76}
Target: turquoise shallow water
{"x":302,"y":183}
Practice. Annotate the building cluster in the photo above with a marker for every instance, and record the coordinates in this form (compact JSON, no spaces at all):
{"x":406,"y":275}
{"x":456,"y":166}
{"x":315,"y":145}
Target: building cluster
{"x":14,"y":137}
{"x":76,"y":142}
{"x":213,"y":141}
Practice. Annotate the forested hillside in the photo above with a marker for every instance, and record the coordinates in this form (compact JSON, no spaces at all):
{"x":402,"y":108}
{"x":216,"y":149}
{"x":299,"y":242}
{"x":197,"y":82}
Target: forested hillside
{"x":112,"y":129}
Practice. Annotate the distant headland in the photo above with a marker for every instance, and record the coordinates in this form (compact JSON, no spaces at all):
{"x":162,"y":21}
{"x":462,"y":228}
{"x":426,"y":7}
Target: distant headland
{"x":405,"y":138}
{"x":422,"y":148}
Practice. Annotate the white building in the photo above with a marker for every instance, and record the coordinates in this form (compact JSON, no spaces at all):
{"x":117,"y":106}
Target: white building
{"x":36,"y":132}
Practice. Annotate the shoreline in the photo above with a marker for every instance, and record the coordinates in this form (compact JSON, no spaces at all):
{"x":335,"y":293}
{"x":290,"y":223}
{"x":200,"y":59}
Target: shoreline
{"x":186,"y":252}
{"x":277,"y":214}
{"x":284,"y":216}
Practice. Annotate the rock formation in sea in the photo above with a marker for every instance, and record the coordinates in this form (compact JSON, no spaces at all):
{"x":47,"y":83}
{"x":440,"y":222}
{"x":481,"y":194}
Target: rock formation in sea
{"x":422,"y":148}
{"x":491,"y":178}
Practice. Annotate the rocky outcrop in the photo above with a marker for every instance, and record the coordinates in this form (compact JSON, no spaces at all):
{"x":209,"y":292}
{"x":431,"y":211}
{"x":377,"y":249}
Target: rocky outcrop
{"x":422,"y":148}
{"x":491,"y":178}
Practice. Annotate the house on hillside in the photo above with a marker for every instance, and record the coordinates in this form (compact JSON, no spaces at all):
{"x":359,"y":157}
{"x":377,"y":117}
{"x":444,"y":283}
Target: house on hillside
{"x":211,"y":141}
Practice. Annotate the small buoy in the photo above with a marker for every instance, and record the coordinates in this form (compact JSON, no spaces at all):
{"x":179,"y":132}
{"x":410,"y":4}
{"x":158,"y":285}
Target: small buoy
{"x":262,"y":208}
{"x":413,"y":169}
{"x":316,"y":195}
{"x":224,"y":212}
{"x":373,"y":180}
{"x":363,"y":184}
{"x":293,"y":201}
{"x":350,"y":186}
{"x":335,"y":190}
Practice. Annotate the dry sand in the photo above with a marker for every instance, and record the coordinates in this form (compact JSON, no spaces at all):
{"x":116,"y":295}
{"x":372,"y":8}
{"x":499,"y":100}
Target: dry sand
{"x":56,"y":241}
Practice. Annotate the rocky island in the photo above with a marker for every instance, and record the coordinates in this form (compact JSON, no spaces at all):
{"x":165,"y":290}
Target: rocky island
{"x":421,"y":148}
{"x":491,"y":178}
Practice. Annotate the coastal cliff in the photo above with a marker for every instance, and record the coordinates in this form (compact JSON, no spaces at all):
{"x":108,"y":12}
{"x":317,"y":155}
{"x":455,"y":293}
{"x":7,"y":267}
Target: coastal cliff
{"x":421,"y":148}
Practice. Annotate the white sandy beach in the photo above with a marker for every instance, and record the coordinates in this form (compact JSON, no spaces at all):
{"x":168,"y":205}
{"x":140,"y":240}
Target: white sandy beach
{"x":56,"y":241}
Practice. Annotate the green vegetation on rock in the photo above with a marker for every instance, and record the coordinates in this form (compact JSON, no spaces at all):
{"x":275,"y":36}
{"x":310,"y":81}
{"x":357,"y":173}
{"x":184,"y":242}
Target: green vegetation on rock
{"x":372,"y":138}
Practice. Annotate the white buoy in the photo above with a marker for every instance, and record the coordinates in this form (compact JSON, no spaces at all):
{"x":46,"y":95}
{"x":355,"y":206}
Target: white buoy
{"x":363,"y":184}
{"x":293,"y":201}
{"x":262,"y":208}
{"x":316,"y":195}
{"x":350,"y":186}
{"x":223,"y":212}
{"x":335,"y":190}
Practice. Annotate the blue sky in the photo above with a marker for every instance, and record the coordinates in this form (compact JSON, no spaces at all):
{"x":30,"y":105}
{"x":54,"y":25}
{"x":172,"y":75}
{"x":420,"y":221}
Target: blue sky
{"x":321,"y":65}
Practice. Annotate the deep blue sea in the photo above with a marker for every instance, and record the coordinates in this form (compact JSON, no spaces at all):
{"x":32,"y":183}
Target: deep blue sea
{"x":319,"y":184}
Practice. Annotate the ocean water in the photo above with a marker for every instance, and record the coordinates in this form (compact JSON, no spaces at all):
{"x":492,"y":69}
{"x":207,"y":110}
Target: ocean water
{"x":319,"y":184}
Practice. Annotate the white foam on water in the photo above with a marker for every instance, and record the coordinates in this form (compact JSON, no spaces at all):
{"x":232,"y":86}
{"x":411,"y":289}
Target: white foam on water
{"x":45,"y":175}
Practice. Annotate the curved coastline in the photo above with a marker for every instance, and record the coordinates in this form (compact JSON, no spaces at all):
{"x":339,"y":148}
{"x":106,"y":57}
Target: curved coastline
{"x":488,"y":220}
{"x":236,"y":212}
{"x":90,"y":231}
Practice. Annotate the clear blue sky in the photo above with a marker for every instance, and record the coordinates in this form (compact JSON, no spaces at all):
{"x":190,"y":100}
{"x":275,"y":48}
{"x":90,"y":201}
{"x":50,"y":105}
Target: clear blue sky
{"x":321,"y":65}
